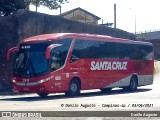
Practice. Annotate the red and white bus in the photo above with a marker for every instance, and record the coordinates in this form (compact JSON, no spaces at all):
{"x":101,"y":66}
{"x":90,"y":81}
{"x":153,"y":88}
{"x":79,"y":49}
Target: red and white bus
{"x":71,"y":62}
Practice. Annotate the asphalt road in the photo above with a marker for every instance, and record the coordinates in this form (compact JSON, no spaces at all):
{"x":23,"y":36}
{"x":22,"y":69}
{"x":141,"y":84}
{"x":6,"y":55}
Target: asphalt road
{"x":146,"y":98}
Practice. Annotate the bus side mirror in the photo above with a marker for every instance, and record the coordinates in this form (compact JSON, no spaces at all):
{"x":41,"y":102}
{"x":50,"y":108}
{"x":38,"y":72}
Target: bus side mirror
{"x":10,"y":51}
{"x":48,"y":50}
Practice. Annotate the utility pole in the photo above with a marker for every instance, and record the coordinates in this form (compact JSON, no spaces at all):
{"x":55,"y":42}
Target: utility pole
{"x":36,"y":5}
{"x":134,"y":20}
{"x":60,"y":10}
{"x":114,"y":15}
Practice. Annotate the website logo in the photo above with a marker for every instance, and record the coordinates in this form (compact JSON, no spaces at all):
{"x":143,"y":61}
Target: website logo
{"x":6,"y":114}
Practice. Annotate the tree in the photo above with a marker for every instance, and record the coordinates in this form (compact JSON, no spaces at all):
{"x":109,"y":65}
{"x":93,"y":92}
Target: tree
{"x":51,"y":4}
{"x":7,"y":7}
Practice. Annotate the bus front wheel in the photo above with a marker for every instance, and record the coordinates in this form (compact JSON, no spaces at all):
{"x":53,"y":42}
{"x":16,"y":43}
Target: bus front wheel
{"x":74,"y":88}
{"x":42,"y":94}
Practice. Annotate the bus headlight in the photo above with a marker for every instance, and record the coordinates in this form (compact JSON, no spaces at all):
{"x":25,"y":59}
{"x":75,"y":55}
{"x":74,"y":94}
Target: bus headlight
{"x":14,"y":81}
{"x":41,"y":81}
{"x":45,"y":80}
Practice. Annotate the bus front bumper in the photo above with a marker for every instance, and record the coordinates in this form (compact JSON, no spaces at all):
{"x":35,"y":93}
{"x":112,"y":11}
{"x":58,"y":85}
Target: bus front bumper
{"x":30,"y":89}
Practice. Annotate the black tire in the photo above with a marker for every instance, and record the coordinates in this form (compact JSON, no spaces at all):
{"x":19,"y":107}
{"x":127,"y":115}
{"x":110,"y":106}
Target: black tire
{"x":105,"y":90}
{"x":42,"y":94}
{"x":133,"y":84}
{"x":74,"y":88}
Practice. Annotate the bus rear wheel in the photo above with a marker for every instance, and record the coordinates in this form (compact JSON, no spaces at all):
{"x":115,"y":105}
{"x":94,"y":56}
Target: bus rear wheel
{"x":74,"y":88}
{"x":133,"y":84}
{"x":42,"y":94}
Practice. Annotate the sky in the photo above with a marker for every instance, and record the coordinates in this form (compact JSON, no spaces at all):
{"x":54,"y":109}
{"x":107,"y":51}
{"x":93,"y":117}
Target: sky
{"x":144,"y":14}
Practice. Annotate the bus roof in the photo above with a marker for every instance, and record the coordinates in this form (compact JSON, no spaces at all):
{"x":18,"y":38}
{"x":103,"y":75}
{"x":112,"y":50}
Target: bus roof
{"x":50,"y":37}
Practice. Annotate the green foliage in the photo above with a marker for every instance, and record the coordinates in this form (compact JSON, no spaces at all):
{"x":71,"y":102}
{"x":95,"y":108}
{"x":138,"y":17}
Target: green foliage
{"x":7,"y":7}
{"x":51,"y":4}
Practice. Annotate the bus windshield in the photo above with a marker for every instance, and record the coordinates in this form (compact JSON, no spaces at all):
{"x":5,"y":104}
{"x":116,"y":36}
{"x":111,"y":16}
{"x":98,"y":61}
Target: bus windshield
{"x":31,"y":60}
{"x":30,"y":63}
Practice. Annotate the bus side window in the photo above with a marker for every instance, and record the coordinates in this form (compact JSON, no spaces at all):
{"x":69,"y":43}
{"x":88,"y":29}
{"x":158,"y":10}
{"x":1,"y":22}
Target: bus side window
{"x":55,"y":60}
{"x":146,"y":52}
{"x":74,"y":58}
{"x":135,"y":55}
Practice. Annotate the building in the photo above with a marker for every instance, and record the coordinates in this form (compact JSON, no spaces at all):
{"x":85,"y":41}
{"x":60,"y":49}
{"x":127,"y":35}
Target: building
{"x":154,"y":38}
{"x":81,"y":15}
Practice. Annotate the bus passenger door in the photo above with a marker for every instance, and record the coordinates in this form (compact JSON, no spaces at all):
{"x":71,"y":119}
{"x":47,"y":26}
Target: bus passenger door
{"x":78,"y":68}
